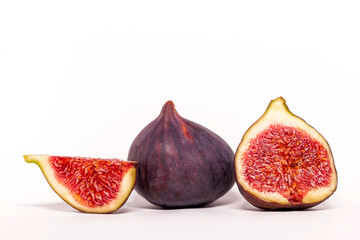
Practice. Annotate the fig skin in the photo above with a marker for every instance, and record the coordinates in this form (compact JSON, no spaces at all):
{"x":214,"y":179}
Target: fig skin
{"x":181,"y":163}
{"x":257,"y":202}
{"x":275,"y":111}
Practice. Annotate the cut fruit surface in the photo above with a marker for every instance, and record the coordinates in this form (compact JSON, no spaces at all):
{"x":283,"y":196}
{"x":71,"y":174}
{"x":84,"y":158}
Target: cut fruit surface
{"x":91,"y":185}
{"x":282,"y":162}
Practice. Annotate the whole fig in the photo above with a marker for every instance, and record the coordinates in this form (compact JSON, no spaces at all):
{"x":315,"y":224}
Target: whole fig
{"x":181,"y":163}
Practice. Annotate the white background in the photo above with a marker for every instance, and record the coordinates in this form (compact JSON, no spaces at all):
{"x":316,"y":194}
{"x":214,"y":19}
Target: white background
{"x":84,"y":77}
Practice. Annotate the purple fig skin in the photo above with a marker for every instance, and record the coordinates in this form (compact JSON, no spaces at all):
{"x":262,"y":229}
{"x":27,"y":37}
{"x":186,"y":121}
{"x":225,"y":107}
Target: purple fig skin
{"x":257,"y":202}
{"x":181,"y":163}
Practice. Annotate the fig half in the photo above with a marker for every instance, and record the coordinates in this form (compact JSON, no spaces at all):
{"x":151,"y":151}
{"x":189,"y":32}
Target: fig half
{"x":284,"y":163}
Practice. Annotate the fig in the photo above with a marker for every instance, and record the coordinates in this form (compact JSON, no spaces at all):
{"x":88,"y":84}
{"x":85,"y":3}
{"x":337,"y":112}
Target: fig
{"x":181,"y":163}
{"x":284,"y":163}
{"x":91,"y":185}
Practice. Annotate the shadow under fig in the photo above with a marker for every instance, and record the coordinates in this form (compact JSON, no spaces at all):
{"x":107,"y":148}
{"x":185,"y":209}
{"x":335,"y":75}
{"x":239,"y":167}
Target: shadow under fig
{"x":246,"y":206}
{"x":233,"y":199}
{"x":64,"y":207}
{"x":55,"y":206}
{"x":139,"y":202}
{"x":229,"y":198}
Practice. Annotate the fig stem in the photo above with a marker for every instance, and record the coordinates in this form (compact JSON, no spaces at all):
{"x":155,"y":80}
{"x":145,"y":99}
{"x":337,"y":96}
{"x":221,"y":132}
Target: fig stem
{"x":168,"y":110}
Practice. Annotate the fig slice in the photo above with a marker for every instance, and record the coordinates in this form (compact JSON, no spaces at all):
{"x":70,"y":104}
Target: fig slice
{"x":91,"y":185}
{"x":284,"y":163}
